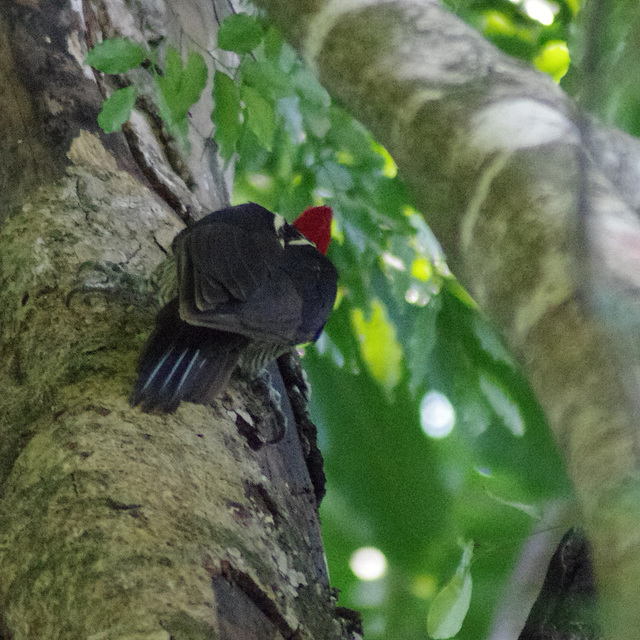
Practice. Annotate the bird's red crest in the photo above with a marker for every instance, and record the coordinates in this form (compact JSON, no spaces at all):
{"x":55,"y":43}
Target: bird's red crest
{"x":315,"y":224}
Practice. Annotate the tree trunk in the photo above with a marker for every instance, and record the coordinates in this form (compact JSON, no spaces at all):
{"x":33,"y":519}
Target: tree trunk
{"x":536,"y":213}
{"x":114,"y":523}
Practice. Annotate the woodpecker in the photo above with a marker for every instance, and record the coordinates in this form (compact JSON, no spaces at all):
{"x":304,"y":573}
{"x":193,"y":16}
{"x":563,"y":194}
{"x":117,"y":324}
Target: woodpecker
{"x":249,"y":286}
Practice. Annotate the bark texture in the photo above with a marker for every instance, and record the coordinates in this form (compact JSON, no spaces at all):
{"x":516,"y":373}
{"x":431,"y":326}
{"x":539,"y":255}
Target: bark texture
{"x":113,"y":523}
{"x":536,"y":211}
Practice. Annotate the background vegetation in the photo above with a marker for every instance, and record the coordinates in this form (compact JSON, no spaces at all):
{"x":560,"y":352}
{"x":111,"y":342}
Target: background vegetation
{"x":437,"y":454}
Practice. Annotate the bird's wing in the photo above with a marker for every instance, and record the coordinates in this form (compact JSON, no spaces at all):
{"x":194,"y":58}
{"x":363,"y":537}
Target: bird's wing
{"x":252,"y":282}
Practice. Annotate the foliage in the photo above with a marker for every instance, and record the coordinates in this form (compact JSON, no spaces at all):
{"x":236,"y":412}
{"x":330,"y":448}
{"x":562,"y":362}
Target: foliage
{"x":450,"y":606}
{"x":116,"y":109}
{"x":521,"y":28}
{"x":402,"y":329}
{"x":177,"y":87}
{"x":431,"y":434}
{"x":118,"y":55}
{"x":604,"y":76}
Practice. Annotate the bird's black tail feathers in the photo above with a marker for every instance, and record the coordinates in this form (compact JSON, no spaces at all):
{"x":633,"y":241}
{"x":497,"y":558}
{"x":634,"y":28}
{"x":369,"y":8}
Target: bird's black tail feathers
{"x":183,"y":362}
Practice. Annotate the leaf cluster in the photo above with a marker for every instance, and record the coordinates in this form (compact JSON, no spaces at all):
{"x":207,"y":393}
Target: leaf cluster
{"x":403,"y":327}
{"x":177,"y":86}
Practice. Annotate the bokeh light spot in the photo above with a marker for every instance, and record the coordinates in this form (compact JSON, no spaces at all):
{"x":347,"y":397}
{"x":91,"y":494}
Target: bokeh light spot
{"x":368,"y":563}
{"x":437,"y":415}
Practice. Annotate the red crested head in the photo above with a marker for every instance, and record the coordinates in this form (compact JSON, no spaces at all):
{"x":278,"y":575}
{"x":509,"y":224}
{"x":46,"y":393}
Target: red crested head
{"x":314,"y":223}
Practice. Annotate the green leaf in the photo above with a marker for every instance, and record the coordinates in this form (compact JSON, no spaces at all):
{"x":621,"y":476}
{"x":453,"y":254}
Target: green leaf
{"x":226,"y":113}
{"x":178,"y":89}
{"x":181,"y":87}
{"x":334,"y":177}
{"x":378,"y":344}
{"x":420,"y":341}
{"x":289,"y":109}
{"x":194,"y":80}
{"x":502,"y":404}
{"x":490,"y":342}
{"x":310,"y":90}
{"x":288,"y":59}
{"x":261,"y":118}
{"x":314,"y":102}
{"x":273,"y":43}
{"x":449,"y":608}
{"x":116,"y":109}
{"x":317,"y":123}
{"x":266,"y":78}
{"x":117,"y":55}
{"x":240,"y":33}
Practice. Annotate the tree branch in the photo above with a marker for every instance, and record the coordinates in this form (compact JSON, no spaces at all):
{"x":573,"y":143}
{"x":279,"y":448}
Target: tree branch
{"x":492,"y":151}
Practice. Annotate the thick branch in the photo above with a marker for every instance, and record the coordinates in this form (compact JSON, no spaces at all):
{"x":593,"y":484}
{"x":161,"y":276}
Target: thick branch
{"x":114,"y":523}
